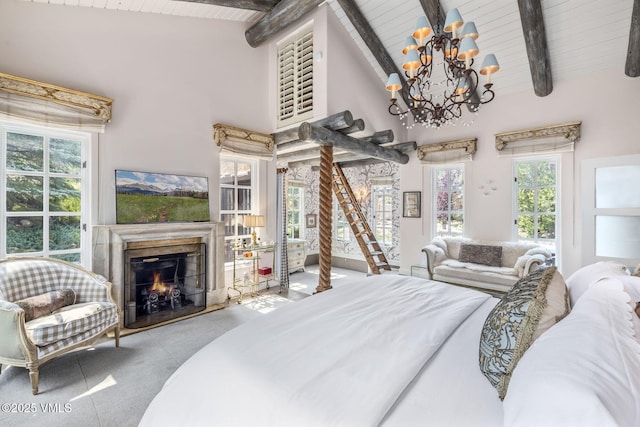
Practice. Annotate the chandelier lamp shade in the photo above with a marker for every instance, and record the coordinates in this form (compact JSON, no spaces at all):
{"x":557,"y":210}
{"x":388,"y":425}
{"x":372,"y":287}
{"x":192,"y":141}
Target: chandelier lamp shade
{"x":440,"y":79}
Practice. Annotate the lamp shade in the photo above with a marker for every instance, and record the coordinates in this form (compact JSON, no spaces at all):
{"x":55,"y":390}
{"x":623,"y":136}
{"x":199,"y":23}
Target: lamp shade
{"x":468,"y":48}
{"x":423,"y":29}
{"x":453,"y":21}
{"x":409,"y":44}
{"x":469,"y":30}
{"x":462,"y":86}
{"x":489,"y":65}
{"x":411,"y":61}
{"x":254,"y":221}
{"x":394,"y":82}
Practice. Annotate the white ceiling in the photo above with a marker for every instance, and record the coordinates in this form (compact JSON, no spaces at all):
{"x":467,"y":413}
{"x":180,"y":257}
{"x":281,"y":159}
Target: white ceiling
{"x":583,"y":36}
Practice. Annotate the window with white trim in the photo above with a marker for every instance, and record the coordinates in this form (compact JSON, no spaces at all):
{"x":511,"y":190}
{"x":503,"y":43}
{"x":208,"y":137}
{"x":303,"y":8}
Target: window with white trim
{"x":44,"y":196}
{"x":237,"y":189}
{"x":536,"y":201}
{"x":295,"y":213}
{"x":295,"y":78}
{"x":448,"y":200}
{"x":382,"y":212}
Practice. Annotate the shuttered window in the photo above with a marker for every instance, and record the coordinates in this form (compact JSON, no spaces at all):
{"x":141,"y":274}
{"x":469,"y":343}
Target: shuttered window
{"x":295,"y":79}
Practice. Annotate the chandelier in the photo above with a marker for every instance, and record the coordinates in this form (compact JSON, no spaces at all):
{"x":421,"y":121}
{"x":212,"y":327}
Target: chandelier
{"x":438,"y":89}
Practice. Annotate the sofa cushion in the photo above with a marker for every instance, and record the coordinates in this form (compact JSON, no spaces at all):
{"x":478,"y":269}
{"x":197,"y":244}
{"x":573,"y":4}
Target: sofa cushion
{"x":70,"y":321}
{"x":47,"y":303}
{"x":476,"y":273}
{"x":481,"y":254}
{"x":533,"y":305}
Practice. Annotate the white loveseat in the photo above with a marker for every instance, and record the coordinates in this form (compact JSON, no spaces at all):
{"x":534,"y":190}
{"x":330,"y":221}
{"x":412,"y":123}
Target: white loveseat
{"x":36,"y":325}
{"x":492,"y":265}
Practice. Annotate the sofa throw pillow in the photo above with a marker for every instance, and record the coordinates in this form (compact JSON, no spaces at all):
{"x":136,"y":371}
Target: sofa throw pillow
{"x":47,"y":303}
{"x":534,"y":304}
{"x":481,"y":254}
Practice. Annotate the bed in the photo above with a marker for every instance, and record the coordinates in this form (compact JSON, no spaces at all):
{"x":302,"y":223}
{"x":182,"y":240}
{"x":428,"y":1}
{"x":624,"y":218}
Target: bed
{"x":394,"y":350}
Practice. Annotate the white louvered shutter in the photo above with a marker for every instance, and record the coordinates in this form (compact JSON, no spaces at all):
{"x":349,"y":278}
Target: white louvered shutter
{"x":295,"y":79}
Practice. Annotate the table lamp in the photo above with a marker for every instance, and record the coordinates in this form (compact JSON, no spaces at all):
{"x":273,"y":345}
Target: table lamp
{"x":254,"y":221}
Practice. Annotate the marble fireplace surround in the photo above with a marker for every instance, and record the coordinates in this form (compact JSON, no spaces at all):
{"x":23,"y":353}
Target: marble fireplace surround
{"x":110,"y":242}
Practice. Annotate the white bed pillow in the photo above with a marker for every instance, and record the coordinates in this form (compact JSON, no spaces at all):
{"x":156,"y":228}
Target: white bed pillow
{"x":584,"y":371}
{"x":582,"y":279}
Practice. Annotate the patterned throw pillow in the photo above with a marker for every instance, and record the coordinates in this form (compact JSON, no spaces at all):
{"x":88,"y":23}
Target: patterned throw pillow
{"x":481,"y":254}
{"x":534,"y":304}
{"x":47,"y":303}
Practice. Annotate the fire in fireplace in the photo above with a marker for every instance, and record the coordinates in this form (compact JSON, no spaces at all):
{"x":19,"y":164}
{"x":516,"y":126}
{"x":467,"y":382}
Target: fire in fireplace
{"x":163,"y":283}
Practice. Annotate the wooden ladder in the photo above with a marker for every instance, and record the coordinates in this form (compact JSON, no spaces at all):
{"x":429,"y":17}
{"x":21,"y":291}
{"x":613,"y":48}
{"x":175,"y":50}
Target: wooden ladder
{"x":364,"y":236}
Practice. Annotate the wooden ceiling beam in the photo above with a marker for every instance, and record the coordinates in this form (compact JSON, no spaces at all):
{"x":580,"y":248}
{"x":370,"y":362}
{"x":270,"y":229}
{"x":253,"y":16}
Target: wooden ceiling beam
{"x":257,"y":5}
{"x":283,"y":14}
{"x":328,"y":137}
{"x":338,"y":121}
{"x":535,"y":39}
{"x":368,"y":35}
{"x":632,"y":66}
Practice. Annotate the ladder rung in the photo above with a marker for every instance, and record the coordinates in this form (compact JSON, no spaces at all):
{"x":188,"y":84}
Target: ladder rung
{"x":376,"y":253}
{"x":362,"y":232}
{"x":355,"y":222}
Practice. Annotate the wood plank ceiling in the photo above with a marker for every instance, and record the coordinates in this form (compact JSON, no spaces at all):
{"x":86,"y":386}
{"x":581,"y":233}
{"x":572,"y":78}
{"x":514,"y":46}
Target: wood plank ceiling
{"x":583,"y":37}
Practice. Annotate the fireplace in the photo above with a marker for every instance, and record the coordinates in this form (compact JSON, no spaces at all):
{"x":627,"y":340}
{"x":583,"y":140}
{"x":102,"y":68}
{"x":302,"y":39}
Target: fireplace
{"x":188,"y":259}
{"x":163,"y":281}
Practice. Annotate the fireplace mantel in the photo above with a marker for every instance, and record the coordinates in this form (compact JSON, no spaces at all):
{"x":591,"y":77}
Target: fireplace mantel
{"x":110,"y":242}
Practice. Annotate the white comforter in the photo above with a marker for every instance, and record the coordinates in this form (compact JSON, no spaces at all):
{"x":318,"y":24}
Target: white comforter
{"x":340,"y":358}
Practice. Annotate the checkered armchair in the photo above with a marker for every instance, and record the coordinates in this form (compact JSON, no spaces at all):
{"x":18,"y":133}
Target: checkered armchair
{"x":29,"y":340}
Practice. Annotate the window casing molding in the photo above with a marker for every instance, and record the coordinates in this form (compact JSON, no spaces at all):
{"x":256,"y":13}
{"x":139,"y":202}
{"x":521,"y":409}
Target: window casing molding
{"x":540,"y":140}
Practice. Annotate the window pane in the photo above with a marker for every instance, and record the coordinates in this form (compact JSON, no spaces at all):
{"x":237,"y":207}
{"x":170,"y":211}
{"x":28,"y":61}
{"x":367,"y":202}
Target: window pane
{"x":546,"y":173}
{"x":24,"y":234}
{"x":229,"y":224}
{"x":457,"y":224}
{"x":442,"y":180}
{"x":227,"y":199}
{"x":526,"y":227}
{"x":25,"y":152}
{"x":64,"y":156}
{"x":618,"y":236}
{"x":24,"y":193}
{"x":442,"y":225}
{"x":242,"y":230}
{"x":442,"y":201}
{"x":456,"y":179}
{"x":525,"y":200}
{"x":547,"y":200}
{"x":227,"y":172}
{"x":64,"y":195}
{"x":244,"y":199}
{"x":456,"y":201}
{"x":244,"y":174}
{"x":547,"y":226}
{"x":525,"y":175}
{"x":617,"y":187}
{"x":64,"y":232}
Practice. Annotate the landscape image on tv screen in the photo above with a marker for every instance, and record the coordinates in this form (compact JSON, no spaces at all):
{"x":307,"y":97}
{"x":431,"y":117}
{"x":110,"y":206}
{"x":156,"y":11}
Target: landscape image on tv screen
{"x":143,"y":197}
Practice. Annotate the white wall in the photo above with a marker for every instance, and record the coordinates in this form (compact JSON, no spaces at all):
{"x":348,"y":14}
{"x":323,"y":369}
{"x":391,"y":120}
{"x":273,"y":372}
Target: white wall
{"x":171,"y":79}
{"x":606,"y":105}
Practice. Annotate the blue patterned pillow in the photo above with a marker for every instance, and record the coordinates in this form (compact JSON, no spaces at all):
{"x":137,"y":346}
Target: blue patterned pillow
{"x":534,"y":304}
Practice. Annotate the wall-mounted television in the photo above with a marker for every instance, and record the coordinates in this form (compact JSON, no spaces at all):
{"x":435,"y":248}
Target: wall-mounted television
{"x":148,"y":197}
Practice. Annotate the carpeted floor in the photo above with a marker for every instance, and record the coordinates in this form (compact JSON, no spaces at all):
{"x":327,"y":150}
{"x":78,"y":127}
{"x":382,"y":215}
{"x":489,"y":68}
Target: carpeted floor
{"x":107,"y":386}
